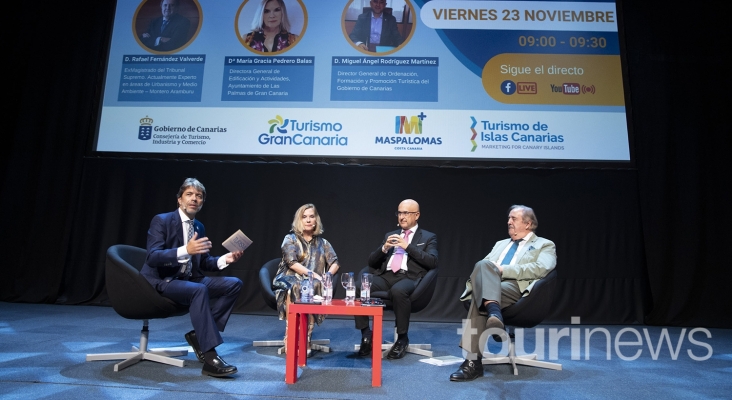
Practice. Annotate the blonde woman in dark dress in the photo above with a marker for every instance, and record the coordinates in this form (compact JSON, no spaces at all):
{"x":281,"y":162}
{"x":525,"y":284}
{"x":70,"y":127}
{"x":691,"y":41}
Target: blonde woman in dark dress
{"x":303,"y":250}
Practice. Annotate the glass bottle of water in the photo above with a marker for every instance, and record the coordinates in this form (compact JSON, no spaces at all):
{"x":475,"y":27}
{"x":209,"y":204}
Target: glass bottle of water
{"x":365,"y":287}
{"x":350,"y":290}
{"x":311,"y":288}
{"x":305,"y":289}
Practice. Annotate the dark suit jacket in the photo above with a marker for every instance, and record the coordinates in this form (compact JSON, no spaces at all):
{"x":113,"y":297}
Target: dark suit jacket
{"x":421,"y":253}
{"x":389,"y":33}
{"x":176,"y":30}
{"x":163,"y":239}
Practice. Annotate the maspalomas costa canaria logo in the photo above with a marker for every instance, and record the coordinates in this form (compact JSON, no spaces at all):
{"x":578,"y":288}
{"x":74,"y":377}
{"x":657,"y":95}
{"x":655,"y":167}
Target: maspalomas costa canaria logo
{"x":408,"y":130}
{"x":293,"y":132}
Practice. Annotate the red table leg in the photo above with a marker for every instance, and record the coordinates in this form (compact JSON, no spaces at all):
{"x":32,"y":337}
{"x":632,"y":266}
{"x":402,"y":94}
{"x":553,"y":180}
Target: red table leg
{"x":297,"y":335}
{"x":291,"y":348}
{"x":376,"y":353}
{"x":302,"y":340}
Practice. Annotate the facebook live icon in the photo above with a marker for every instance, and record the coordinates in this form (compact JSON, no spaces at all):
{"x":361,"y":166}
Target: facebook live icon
{"x":509,"y":87}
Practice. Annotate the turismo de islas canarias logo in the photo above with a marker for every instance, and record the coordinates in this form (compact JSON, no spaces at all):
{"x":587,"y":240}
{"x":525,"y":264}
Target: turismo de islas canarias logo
{"x":278,"y":123}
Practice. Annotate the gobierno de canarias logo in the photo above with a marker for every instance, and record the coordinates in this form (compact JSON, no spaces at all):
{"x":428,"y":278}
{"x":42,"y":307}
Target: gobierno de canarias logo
{"x":145,"y":131}
{"x":288,"y":132}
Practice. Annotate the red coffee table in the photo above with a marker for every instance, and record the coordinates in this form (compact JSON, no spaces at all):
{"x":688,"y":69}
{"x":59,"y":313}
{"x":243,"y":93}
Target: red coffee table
{"x":297,"y":317}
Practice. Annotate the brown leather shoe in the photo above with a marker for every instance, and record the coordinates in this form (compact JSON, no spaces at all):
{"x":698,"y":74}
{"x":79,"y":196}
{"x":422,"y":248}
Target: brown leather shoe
{"x":496,"y":322}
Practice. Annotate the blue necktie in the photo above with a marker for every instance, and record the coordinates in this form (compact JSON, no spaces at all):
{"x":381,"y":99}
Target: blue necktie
{"x":511,"y":252}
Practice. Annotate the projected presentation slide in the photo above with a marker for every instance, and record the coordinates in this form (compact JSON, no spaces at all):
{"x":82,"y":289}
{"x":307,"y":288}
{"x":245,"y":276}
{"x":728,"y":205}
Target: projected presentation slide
{"x":396,"y":79}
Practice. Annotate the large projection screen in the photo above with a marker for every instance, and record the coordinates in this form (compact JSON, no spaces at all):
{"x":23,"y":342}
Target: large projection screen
{"x":442,"y":80}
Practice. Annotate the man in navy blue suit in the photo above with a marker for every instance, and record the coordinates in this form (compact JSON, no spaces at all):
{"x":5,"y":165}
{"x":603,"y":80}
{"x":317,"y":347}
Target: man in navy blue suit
{"x":168,"y":32}
{"x":177,"y":252}
{"x":376,"y":28}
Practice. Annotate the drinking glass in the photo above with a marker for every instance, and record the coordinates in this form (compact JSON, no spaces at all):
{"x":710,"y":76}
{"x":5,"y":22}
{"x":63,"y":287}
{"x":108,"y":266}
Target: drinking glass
{"x":328,"y":288}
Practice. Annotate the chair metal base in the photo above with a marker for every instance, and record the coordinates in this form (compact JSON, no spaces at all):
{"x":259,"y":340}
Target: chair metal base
{"x":315,"y":344}
{"x":138,"y":354}
{"x":527,"y":359}
{"x":422,"y":349}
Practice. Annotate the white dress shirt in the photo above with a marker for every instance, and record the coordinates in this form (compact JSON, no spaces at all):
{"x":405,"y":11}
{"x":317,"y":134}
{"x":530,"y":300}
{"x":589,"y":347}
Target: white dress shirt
{"x":183,"y":255}
{"x":521,"y":245}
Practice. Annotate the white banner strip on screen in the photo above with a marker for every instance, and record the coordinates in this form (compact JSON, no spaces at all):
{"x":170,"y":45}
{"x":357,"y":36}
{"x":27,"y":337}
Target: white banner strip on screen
{"x":476,"y":134}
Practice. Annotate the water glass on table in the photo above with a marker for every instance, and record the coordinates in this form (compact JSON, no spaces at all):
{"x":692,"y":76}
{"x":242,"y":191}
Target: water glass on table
{"x":328,"y":288}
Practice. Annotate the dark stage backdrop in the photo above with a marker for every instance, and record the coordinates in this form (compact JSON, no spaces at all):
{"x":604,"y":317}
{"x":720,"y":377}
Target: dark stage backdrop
{"x":598,"y":261}
{"x":636,"y":245}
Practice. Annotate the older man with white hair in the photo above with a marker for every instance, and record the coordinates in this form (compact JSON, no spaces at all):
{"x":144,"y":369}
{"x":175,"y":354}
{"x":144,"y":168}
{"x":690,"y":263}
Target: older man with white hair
{"x":500,"y":280}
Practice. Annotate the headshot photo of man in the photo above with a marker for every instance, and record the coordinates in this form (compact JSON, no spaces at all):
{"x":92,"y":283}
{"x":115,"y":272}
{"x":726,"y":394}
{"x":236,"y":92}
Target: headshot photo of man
{"x":378,"y":26}
{"x":161,"y":27}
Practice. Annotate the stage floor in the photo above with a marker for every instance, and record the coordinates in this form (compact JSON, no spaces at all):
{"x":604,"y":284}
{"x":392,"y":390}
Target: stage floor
{"x":43,"y":350}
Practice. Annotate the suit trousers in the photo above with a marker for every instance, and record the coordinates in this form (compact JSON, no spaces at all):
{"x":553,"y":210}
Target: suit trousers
{"x":401,"y":287}
{"x":487,"y":285}
{"x":210,"y":301}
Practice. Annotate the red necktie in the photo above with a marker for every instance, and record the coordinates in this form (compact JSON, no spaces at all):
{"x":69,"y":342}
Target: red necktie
{"x":396,"y":261}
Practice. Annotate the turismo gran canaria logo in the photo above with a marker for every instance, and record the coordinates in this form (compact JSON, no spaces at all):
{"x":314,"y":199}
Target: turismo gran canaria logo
{"x":277,"y":120}
{"x":289,"y":133}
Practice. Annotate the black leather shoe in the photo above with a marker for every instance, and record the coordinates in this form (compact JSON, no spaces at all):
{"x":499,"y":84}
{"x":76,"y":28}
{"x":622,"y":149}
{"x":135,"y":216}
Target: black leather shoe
{"x":495,"y":321}
{"x":398,"y":350}
{"x":365,"y":349}
{"x":469,"y":370}
{"x":193,"y":342}
{"x":217,"y":367}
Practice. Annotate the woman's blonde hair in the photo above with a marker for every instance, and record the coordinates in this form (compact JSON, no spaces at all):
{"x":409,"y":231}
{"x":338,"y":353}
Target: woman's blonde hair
{"x":258,"y":21}
{"x":297,"y":221}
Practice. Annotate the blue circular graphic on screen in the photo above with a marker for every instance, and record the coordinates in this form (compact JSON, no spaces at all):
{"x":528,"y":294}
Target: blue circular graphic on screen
{"x":508,"y":87}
